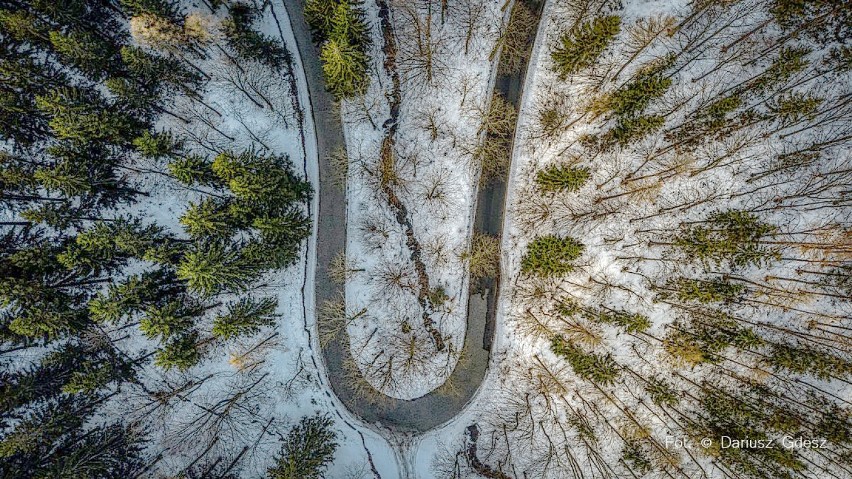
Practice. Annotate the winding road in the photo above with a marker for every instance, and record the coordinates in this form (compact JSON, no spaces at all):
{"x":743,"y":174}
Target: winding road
{"x":433,"y":409}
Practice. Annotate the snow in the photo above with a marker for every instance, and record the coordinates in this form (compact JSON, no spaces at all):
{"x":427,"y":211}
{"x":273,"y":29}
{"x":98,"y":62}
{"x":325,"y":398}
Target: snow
{"x":284,"y":361}
{"x":438,"y":185}
{"x":611,"y":232}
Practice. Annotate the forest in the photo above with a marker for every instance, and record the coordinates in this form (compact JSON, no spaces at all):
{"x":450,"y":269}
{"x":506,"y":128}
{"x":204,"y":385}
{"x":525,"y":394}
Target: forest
{"x":453,"y":239}
{"x":106,"y":307}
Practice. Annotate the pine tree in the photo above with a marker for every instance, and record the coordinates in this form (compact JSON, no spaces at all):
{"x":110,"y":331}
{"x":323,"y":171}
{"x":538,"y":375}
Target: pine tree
{"x":307,"y":450}
{"x":244,"y":317}
{"x":581,"y":46}
{"x":551,"y":256}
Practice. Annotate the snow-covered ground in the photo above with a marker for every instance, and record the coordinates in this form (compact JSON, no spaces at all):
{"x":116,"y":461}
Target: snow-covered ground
{"x":537,"y":415}
{"x":258,"y":386}
{"x":436,"y":180}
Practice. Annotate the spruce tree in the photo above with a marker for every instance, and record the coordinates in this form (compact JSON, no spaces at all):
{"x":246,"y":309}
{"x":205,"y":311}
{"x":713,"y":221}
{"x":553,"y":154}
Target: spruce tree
{"x":807,"y":360}
{"x":249,"y":43}
{"x":602,"y":370}
{"x":581,"y":46}
{"x":558,"y":178}
{"x":345,"y":68}
{"x":729,"y":236}
{"x":551,"y":256}
{"x":180,"y":352}
{"x":307,"y":450}
{"x":245,"y":317}
{"x":209,"y":269}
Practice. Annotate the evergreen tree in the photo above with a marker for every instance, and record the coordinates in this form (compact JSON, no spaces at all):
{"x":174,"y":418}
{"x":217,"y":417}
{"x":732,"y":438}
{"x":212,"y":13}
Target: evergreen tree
{"x":52,"y":441}
{"x":209,"y":269}
{"x":340,"y":28}
{"x":661,"y":392}
{"x":319,"y":15}
{"x":180,"y":352}
{"x":109,"y":245}
{"x":80,"y":116}
{"x":247,"y":42}
{"x":307,"y":450}
{"x":630,"y":322}
{"x":581,"y":46}
{"x":173,"y":318}
{"x":88,"y":52}
{"x":245,"y":317}
{"x":208,"y":218}
{"x":790,"y":60}
{"x":826,"y":21}
{"x":633,"y":98}
{"x":730,"y":236}
{"x":715,"y":290}
{"x":631,"y":128}
{"x":267,"y":180}
{"x":156,"y":145}
{"x":602,"y":370}
{"x":191,"y":170}
{"x":807,"y":360}
{"x":345,"y":68}
{"x":558,"y":178}
{"x":551,"y":256}
{"x":727,"y":413}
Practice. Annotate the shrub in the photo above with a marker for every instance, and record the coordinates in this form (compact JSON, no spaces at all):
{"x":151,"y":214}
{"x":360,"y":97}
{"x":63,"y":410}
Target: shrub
{"x":483,"y":257}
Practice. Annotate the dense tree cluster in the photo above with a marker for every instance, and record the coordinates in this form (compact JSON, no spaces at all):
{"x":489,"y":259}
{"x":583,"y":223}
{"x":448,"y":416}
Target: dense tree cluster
{"x":339,"y":27}
{"x":82,"y":85}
